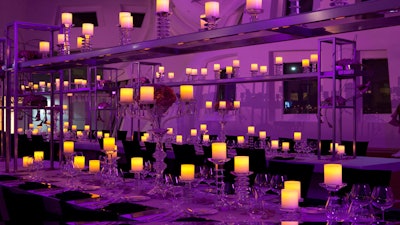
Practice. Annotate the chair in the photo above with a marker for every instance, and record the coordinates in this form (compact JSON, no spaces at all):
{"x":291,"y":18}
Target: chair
{"x":150,"y":149}
{"x":361,"y":147}
{"x":121,"y":134}
{"x":184,"y":154}
{"x":257,"y":160}
{"x":325,"y":147}
{"x":137,"y":135}
{"x":131,"y":149}
{"x":231,"y":137}
{"x":24,"y":146}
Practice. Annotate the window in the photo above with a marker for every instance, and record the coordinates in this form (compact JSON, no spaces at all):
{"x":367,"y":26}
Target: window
{"x":377,"y":98}
{"x":300,"y":96}
{"x":137,"y":19}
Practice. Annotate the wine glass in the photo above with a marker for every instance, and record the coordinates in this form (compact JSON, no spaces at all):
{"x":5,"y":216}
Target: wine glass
{"x":360,"y":194}
{"x":262,"y":183}
{"x":277,"y":183}
{"x":230,"y":144}
{"x":382,"y":198}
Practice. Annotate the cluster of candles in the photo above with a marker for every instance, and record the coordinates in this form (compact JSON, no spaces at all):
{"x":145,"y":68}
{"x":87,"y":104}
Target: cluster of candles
{"x":304,"y":62}
{"x":32,"y":86}
{"x":147,"y":94}
{"x":222,"y":105}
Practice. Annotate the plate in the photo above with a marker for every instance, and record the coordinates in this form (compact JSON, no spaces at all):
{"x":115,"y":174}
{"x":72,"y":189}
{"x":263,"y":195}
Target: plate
{"x":136,"y":198}
{"x":313,"y":210}
{"x":201,"y":211}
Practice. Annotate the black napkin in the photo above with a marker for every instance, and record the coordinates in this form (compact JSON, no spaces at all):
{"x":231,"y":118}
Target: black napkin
{"x":72,"y":195}
{"x":34,"y":186}
{"x":194,"y":219}
{"x":283,"y":158}
{"x":7,"y":177}
{"x":125,"y":208}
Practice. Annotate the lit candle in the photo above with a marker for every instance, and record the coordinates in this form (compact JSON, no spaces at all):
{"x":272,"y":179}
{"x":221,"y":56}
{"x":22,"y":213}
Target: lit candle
{"x":188,"y":71}
{"x":333,"y":174}
{"x":48,"y":130}
{"x":162,"y":6}
{"x":314,"y":58}
{"x":203,"y":71}
{"x":229,"y":70}
{"x":193,"y":132}
{"x":171,"y":75}
{"x":236,"y":104}
{"x":98,"y":77}
{"x":340,"y":149}
{"x":289,"y":222}
{"x":48,"y":86}
{"x":84,"y":82}
{"x":44,"y":46}
{"x":136,"y":164}
{"x":69,"y":146}
{"x":79,"y":134}
{"x":187,"y":172}
{"x":212,"y":9}
{"x":293,"y":185}
{"x":86,"y":127}
{"x":285,"y":146}
{"x":253,"y":4}
{"x":35,"y":87}
{"x":206,"y":138}
{"x":274,"y":144}
{"x":194,"y":72}
{"x":222,"y":104}
{"x":79,"y":42}
{"x":251,"y":129}
{"x":217,"y":67}
{"x":60,"y":39}
{"x":106,"y":135}
{"x":79,"y":162}
{"x":289,"y":199}
{"x":186,"y":92}
{"x":218,"y":150}
{"x":254,"y":67}
{"x":263,"y":69}
{"x":122,"y":14}
{"x":66,"y":84}
{"x":99,"y":134}
{"x":305,"y":62}
{"x":262,"y":134}
{"x":143,"y":138}
{"x":20,"y":130}
{"x":66,"y":19}
{"x":126,"y":95}
{"x":178,"y":139}
{"x":35,"y":131}
{"x":30,"y":126}
{"x":278,"y":60}
{"x":108,"y":143}
{"x":297,"y":136}
{"x":170,"y":130}
{"x":240,"y":139}
{"x":331,"y":146}
{"x":87,"y":29}
{"x":65,"y":130}
{"x":94,"y":165}
{"x":203,"y":127}
{"x":147,"y":93}
{"x":236,"y":63}
{"x":208,"y":104}
{"x":241,"y":164}
{"x":127,"y":22}
{"x":202,"y":21}
{"x":38,"y":156}
{"x":27,"y":161}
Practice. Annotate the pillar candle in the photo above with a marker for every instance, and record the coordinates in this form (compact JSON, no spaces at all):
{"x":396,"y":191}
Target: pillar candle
{"x":38,"y":156}
{"x":206,"y":138}
{"x":84,"y":82}
{"x":297,"y":136}
{"x":171,"y":75}
{"x":240,"y":139}
{"x":262,"y":134}
{"x":333,"y":174}
{"x":99,"y":134}
{"x":79,"y":42}
{"x":217,"y":67}
{"x":222,"y":104}
{"x":187,"y":172}
{"x":212,"y":9}
{"x":241,"y":164}
{"x":263,"y":69}
{"x":229,"y":70}
{"x":136,"y":164}
{"x":69,"y":146}
{"x":193,"y":132}
{"x":73,"y":127}
{"x":79,"y":134}
{"x":65,"y":107}
{"x":42,"y":84}
{"x":274,"y":144}
{"x":253,"y":4}
{"x":161,"y":69}
{"x":126,"y":22}
{"x":170,"y":130}
{"x":162,"y":6}
{"x":126,"y":95}
{"x":66,"y":18}
{"x":147,"y":93}
{"x":48,"y":86}
{"x":194,"y":72}
{"x":98,"y":77}
{"x":278,"y":60}
{"x":79,"y":162}
{"x":66,"y":84}
{"x":35,"y":131}
{"x":251,"y":129}
{"x":314,"y":58}
{"x":178,"y":139}
{"x":208,"y":104}
{"x":27,"y":161}
{"x":293,"y":185}
{"x":236,"y":104}
{"x":340,"y":149}
{"x":44,"y":46}
{"x":305,"y":62}
{"x":254,"y":67}
{"x":94,"y":165}
{"x":218,"y":150}
{"x":186,"y":92}
{"x":108,"y":143}
{"x":106,"y":135}
{"x":285,"y":146}
{"x":87,"y":29}
{"x":30,"y":126}
{"x":188,"y":71}
{"x":143,"y":138}
{"x":203,"y":127}
{"x":289,"y":199}
{"x":122,"y":14}
{"x":236,"y":63}
{"x":203,"y":71}
{"x":20,"y":130}
{"x":86,"y":127}
{"x":35,"y":87}
{"x":60,"y":39}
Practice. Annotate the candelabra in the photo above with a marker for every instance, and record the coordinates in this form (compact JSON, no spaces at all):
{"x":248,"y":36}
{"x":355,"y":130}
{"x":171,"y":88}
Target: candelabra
{"x":65,"y":49}
{"x":125,"y":35}
{"x":211,"y":22}
{"x":163,"y":24}
{"x":254,"y":14}
{"x":110,"y":172}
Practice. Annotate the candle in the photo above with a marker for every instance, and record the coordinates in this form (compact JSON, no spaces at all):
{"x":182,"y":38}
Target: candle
{"x":30,"y":126}
{"x":285,"y":146}
{"x":86,"y":127}
{"x":229,"y":70}
{"x":94,"y":165}
{"x":251,"y":129}
{"x":305,"y":63}
{"x":98,"y":77}
{"x":241,"y":164}
{"x":275,"y":144}
{"x":44,"y":46}
{"x":186,"y":92}
{"x":340,"y":149}
{"x":262,"y":134}
{"x":254,"y":67}
{"x":35,"y":132}
{"x":218,"y":150}
{"x":203,"y":127}
{"x":106,"y":135}
{"x":206,"y":138}
{"x":147,"y":93}
{"x":217,"y":67}
{"x":187,"y":172}
{"x":171,"y":75}
{"x":60,"y":39}
{"x":79,"y":134}
{"x":289,"y":223}
{"x":79,"y":162}
{"x":212,"y":9}
{"x":87,"y":29}
{"x":170,"y":130}
{"x":48,"y":86}
{"x":293,"y":185}
{"x":69,"y":146}
{"x":289,"y":199}
{"x":193,"y":132}
{"x":108,"y":143}
{"x":38,"y":156}
{"x":79,"y":42}
{"x":178,"y":139}
{"x":203,"y":71}
{"x":20,"y":130}
{"x":314,"y":58}
{"x":263,"y":69}
{"x":136,"y":164}
{"x":83,"y":82}
{"x":236,"y":104}
{"x":222,"y":104}
{"x":35,"y":87}
{"x":126,"y":95}
{"x":66,"y":18}
{"x":162,"y":6}
{"x":126,"y":22}
{"x":143,"y":138}
{"x":278,"y":60}
{"x":333,"y":174}
{"x":123,"y":14}
{"x":297,"y":136}
{"x":208,"y":104}
{"x":48,"y":130}
{"x":253,"y":4}
{"x":194,"y":72}
{"x":99,"y":134}
{"x":188,"y":71}
{"x":65,"y":130}
{"x":66,"y":84}
{"x":331,"y":147}
{"x":65,"y":107}
{"x":236,"y":63}
{"x":27,"y":161}
{"x":240,"y":139}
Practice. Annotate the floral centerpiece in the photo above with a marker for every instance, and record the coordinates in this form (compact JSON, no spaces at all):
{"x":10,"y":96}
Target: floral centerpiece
{"x":164,"y":97}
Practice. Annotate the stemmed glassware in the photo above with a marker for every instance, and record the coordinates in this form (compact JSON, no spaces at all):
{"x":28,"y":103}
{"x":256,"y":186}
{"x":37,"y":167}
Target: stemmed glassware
{"x":262,"y":183}
{"x":277,"y":183}
{"x":360,"y":207}
{"x":382,"y":198}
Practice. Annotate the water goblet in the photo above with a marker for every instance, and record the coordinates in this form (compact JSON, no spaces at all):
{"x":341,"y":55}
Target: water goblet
{"x":262,"y":183}
{"x":382,"y":198}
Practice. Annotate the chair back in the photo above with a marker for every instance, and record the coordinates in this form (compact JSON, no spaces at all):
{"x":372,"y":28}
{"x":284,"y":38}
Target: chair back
{"x":257,"y":160}
{"x":360,"y":176}
{"x":361,"y":147}
{"x":121,"y":134}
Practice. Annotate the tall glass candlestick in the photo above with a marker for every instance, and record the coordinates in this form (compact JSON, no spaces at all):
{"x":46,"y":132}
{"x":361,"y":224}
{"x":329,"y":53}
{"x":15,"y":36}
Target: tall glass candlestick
{"x":212,"y":14}
{"x":163,"y":23}
{"x":126,"y":28}
{"x":87,"y":32}
{"x":66,"y":19}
